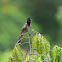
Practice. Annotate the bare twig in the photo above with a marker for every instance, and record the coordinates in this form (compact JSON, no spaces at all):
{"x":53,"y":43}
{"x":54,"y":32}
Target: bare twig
{"x":29,"y":44}
{"x":34,"y":54}
{"x":26,"y":55}
{"x":25,"y":43}
{"x":27,"y":37}
{"x":22,"y":38}
{"x":30,"y":49}
{"x":19,"y":40}
{"x":46,"y":53}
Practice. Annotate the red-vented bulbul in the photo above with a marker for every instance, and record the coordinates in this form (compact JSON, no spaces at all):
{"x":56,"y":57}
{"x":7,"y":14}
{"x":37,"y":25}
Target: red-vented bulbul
{"x":25,"y":28}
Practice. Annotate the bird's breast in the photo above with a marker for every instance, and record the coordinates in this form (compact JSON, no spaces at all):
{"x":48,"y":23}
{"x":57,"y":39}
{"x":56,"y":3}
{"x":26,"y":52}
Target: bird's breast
{"x":28,"y":27}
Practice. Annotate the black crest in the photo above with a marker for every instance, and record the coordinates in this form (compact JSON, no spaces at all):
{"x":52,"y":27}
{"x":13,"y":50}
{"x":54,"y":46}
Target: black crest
{"x":28,"y":19}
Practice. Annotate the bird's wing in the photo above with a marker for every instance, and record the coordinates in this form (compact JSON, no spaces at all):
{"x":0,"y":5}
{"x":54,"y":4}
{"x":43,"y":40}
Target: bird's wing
{"x":24,"y":29}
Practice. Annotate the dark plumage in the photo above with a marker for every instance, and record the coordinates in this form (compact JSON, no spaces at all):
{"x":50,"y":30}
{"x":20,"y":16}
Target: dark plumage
{"x":29,"y":20}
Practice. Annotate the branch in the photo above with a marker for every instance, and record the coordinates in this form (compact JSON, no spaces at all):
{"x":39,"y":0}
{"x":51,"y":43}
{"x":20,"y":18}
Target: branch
{"x":27,"y":37}
{"x":28,"y":43}
{"x":22,"y":38}
{"x":34,"y":54}
{"x":26,"y":55}
{"x":30,"y":49}
{"x":25,"y":43}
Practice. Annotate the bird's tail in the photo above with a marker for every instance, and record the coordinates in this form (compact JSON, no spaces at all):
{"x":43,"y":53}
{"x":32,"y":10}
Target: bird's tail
{"x":20,"y":38}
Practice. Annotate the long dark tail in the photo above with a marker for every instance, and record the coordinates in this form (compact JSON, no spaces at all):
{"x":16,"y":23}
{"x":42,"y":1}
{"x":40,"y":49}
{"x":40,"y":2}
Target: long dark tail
{"x":19,"y":41}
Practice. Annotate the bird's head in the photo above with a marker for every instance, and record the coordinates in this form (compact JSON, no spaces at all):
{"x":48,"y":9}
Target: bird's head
{"x":29,"y":20}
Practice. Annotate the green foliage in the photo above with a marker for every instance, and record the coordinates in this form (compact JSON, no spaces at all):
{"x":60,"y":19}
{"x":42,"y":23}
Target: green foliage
{"x":47,"y":20}
{"x":61,"y":55}
{"x":40,"y":44}
{"x":42,"y":47}
{"x":17,"y":55}
{"x":39,"y":59}
{"x":57,"y":54}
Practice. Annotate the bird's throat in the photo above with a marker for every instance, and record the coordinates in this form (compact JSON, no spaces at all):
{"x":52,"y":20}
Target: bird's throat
{"x":28,"y":23}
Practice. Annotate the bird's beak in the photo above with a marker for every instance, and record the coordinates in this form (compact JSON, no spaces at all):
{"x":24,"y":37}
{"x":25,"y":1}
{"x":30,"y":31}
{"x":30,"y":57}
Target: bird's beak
{"x":30,"y":20}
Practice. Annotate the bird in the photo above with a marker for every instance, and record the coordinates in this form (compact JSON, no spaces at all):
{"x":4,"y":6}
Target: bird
{"x":27,"y":26}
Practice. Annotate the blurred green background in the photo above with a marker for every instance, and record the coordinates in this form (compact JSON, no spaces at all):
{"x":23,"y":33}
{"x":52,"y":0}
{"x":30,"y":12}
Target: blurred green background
{"x":46,"y":18}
